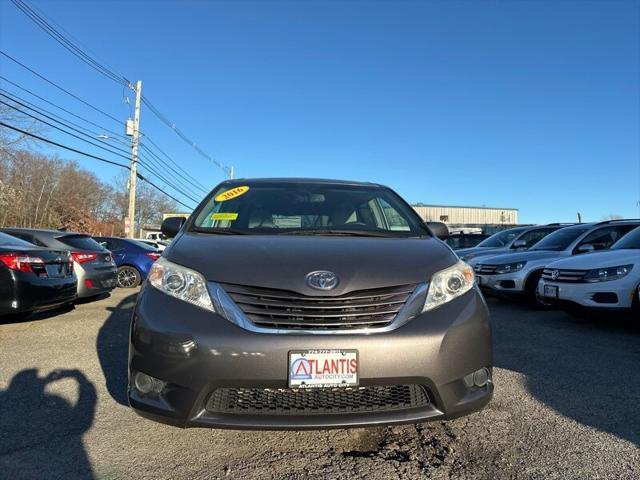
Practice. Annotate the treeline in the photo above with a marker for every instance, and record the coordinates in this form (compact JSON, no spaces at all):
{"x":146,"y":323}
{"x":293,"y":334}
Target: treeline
{"x":38,"y":191}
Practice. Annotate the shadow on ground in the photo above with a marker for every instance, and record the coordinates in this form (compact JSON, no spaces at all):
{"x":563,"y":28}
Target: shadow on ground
{"x":112,"y":346}
{"x":588,"y":372}
{"x":41,"y":432}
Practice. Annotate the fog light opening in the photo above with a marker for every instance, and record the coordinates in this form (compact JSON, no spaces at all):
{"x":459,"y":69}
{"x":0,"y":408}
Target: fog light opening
{"x":147,"y":385}
{"x":477,"y":379}
{"x":481,"y":377}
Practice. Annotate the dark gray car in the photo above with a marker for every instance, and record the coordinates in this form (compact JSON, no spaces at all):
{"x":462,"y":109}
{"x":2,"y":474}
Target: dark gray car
{"x":297,"y":303}
{"x":92,"y":263}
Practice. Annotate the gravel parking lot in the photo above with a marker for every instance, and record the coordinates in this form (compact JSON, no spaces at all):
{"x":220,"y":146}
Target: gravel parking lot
{"x":566,"y":406}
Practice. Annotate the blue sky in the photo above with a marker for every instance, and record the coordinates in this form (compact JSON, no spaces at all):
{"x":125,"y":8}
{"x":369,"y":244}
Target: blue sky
{"x":533,"y":105}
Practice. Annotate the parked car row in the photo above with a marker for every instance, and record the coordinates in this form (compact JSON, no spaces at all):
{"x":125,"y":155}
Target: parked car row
{"x":581,"y":267}
{"x":44,"y":269}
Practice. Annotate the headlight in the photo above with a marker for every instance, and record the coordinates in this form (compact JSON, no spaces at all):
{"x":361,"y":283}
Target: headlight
{"x":180,"y":282}
{"x":510,"y":267}
{"x":448,"y":284}
{"x":606,"y":274}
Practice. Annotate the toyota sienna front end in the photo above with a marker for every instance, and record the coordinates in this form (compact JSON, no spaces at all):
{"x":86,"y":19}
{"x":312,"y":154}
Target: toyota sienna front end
{"x":294,"y":303}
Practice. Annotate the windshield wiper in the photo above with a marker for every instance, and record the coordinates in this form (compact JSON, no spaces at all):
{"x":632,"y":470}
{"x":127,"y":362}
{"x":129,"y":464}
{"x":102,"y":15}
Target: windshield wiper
{"x":220,"y":231}
{"x":354,"y":233}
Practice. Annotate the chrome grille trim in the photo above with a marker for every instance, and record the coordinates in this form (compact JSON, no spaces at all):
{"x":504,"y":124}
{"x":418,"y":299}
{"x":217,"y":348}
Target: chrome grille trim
{"x":229,"y":310}
{"x":485,"y":269}
{"x":564,"y":275}
{"x":271,"y":308}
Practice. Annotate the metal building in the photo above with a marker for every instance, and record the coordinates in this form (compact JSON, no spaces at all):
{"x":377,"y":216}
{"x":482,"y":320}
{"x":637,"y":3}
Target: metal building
{"x":460,"y":215}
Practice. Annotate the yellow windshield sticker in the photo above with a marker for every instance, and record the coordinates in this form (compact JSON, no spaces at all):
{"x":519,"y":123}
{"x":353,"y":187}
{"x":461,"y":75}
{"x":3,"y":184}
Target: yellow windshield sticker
{"x":233,"y":193}
{"x":224,"y":216}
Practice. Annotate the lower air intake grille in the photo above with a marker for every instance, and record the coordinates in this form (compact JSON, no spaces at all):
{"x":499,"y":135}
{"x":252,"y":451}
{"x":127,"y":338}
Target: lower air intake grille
{"x":287,"y":401}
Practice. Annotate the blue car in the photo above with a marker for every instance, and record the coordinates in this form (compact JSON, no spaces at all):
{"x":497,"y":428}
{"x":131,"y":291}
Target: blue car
{"x":133,"y":259}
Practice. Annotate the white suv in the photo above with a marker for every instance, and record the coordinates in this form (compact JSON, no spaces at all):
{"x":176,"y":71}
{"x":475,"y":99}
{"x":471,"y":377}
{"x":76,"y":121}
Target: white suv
{"x":517,"y":274}
{"x":608,"y":280}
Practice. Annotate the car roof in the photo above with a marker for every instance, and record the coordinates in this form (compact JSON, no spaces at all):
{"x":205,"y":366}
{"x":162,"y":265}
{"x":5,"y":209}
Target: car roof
{"x":43,"y":231}
{"x":297,"y":181}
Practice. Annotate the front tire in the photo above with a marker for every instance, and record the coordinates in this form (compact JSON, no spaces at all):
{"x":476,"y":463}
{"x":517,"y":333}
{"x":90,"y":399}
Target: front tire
{"x":531,"y":292}
{"x":128,"y":277}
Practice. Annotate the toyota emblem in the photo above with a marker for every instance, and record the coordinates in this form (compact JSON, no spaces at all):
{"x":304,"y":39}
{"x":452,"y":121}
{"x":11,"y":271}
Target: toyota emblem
{"x":322,"y":280}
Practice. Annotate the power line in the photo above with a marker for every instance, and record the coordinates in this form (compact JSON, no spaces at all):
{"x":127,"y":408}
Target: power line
{"x":126,"y":157}
{"x":102,"y":147}
{"x":59,"y":37}
{"x":40,"y":109}
{"x":147,"y":138}
{"x":42,"y":77}
{"x":179,"y":174}
{"x":180,"y":134}
{"x":89,"y":155}
{"x":152,"y":158}
{"x":183,"y":185}
{"x":68,"y":44}
{"x":26,"y":90}
{"x":71,"y":149}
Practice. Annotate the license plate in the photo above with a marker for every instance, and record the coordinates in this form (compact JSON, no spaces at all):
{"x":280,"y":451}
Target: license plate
{"x":550,"y":291}
{"x":109,"y":283}
{"x":323,"y":368}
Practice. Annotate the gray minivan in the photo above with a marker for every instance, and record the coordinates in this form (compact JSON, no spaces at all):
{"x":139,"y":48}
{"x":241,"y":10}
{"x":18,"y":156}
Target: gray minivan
{"x":302,"y":303}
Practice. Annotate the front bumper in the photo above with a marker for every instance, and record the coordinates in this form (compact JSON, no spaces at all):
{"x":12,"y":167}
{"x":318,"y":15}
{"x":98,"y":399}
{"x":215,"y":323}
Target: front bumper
{"x":606,"y":296}
{"x":503,"y":284}
{"x":197,"y":352}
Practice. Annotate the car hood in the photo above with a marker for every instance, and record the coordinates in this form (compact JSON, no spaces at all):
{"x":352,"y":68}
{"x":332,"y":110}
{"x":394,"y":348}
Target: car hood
{"x":608,"y":258}
{"x":476,"y":250}
{"x":283,"y":262}
{"x":529,"y":255}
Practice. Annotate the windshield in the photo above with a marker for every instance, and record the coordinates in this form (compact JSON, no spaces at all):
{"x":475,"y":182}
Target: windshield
{"x":501,"y":239}
{"x":10,"y":241}
{"x":560,"y":239}
{"x":630,"y":241}
{"x":283,"y":208}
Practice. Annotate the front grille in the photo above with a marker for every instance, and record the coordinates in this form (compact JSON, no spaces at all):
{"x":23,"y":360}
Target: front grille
{"x":374,"y":308}
{"x":485,"y":269}
{"x":563,"y":275}
{"x":288,"y":401}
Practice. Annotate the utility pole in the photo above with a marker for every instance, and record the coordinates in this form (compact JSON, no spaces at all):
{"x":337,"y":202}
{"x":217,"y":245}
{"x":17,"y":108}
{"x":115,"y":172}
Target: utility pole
{"x":134,"y":161}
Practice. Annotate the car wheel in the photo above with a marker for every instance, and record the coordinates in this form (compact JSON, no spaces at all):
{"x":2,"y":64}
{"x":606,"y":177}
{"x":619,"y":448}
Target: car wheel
{"x":128,"y":277}
{"x":531,"y":291}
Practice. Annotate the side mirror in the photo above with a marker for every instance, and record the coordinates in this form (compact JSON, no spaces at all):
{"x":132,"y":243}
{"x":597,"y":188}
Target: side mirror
{"x":172,"y":225}
{"x":519,"y":244}
{"x":439,"y":229}
{"x":586,"y":248}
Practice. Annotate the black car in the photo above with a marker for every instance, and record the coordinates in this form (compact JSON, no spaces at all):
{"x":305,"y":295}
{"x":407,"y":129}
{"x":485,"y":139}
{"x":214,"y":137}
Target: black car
{"x":93,"y":264}
{"x":302,"y":303}
{"x":33,"y":278}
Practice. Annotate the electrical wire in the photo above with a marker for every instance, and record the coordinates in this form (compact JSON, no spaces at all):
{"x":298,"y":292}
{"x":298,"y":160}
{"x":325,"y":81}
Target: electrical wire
{"x":68,"y":44}
{"x":184,"y":184}
{"x":26,"y":90}
{"x":102,"y":147}
{"x":42,"y":77}
{"x":147,"y":138}
{"x":71,"y":149}
{"x":180,"y":134}
{"x":95,"y":157}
